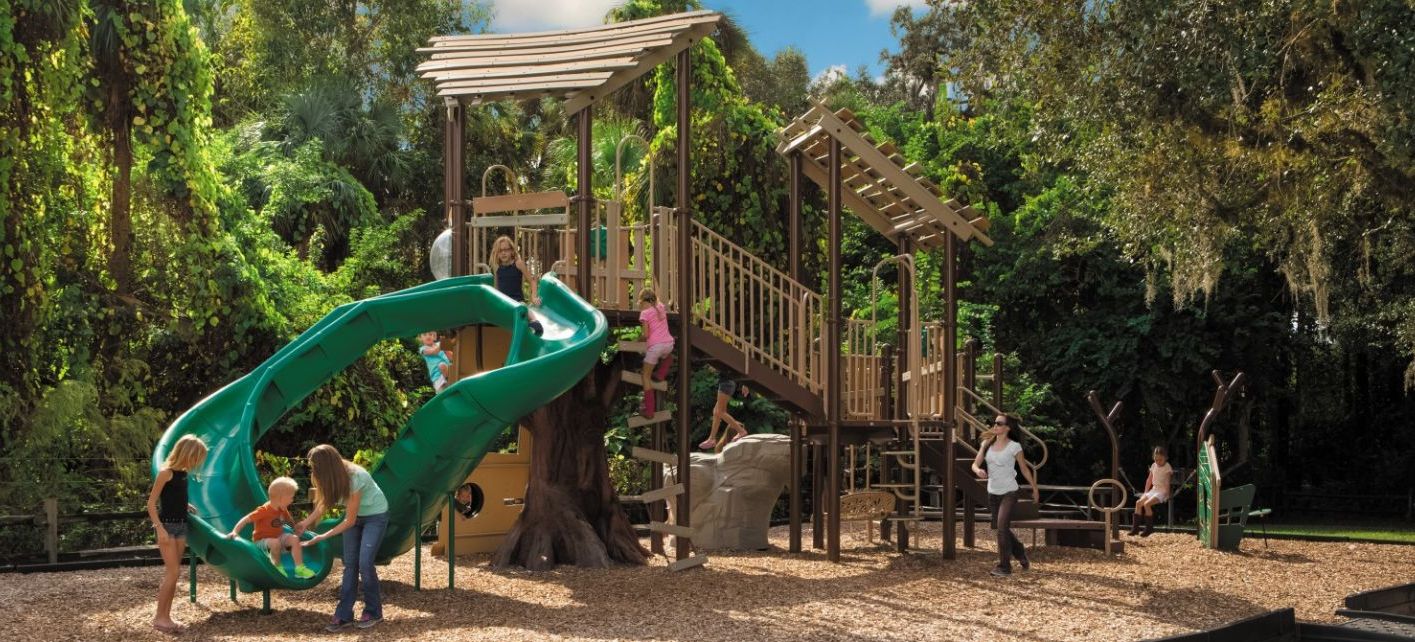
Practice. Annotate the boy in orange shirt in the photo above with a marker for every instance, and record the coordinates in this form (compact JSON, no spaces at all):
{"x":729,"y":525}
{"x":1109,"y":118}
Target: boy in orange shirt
{"x":270,"y":520}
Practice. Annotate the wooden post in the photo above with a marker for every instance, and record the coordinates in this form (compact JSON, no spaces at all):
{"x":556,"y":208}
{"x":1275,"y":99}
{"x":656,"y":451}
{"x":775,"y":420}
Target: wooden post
{"x":833,"y":386}
{"x":950,"y":379}
{"x":906,"y":294}
{"x":657,"y":511}
{"x":584,"y":204}
{"x":685,"y":300}
{"x":51,"y":528}
{"x":794,"y":502}
{"x":452,"y":182}
{"x":793,"y":223}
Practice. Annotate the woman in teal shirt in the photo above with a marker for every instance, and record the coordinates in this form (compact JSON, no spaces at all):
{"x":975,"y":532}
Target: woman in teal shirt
{"x":342,"y":482}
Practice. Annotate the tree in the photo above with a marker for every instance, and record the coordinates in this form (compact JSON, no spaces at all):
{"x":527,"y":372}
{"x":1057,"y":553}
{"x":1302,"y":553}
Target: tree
{"x":571,"y":514}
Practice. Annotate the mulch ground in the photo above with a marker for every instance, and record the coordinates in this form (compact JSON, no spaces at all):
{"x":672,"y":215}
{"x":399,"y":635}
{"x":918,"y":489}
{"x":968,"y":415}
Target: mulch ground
{"x":1161,"y":586}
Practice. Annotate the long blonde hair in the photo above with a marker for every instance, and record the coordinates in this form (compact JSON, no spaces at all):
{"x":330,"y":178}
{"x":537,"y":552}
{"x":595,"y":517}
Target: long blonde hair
{"x":188,"y":453}
{"x":496,"y":250}
{"x":330,"y":474}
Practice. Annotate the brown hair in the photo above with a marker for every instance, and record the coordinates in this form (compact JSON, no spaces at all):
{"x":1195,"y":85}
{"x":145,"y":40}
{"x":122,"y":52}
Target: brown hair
{"x":188,"y":453}
{"x":1161,"y":451}
{"x":330,"y":474}
{"x":648,"y":296}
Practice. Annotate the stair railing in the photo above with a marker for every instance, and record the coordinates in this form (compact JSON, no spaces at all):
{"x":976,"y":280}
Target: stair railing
{"x":972,"y":420}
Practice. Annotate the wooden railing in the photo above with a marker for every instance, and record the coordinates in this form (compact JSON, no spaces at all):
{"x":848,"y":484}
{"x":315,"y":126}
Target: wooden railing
{"x":619,"y":258}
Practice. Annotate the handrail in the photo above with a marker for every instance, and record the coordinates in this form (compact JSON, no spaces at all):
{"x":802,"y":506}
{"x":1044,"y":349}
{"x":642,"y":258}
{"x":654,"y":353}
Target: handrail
{"x":978,"y":399}
{"x":511,"y":186}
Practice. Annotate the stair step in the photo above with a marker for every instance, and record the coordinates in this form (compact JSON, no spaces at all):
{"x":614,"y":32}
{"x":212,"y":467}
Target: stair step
{"x":671,"y":529}
{"x":634,"y":346}
{"x":638,"y":380}
{"x":658,"y":456}
{"x":688,"y":562}
{"x":659,"y":417}
{"x":899,"y":453}
{"x":656,"y":495}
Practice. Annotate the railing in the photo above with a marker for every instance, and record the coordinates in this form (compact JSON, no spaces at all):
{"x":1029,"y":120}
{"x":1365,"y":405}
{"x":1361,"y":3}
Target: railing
{"x":619,"y":257}
{"x":861,"y":388}
{"x":965,"y":418}
{"x":755,"y":307}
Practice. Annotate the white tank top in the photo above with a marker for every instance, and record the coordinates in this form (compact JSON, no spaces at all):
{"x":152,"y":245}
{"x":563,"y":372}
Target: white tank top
{"x":1002,"y":468}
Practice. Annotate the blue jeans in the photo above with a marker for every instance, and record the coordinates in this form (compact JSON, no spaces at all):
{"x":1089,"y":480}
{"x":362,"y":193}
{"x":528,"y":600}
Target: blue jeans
{"x":361,"y":543}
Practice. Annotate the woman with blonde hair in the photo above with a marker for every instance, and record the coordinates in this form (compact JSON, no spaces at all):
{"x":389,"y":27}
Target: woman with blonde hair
{"x":167,"y":507}
{"x":343,"y":483}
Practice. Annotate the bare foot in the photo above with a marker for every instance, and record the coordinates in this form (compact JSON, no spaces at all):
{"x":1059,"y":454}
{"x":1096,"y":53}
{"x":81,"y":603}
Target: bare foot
{"x":169,"y":627}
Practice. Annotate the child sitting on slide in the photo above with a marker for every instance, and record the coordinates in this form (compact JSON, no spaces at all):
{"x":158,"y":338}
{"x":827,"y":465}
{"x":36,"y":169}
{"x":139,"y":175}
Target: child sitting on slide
{"x":270,"y":520}
{"x":1156,"y":492}
{"x":654,"y":318}
{"x":439,"y":363}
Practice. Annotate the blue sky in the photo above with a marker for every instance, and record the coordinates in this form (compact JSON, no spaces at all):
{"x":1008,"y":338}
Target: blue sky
{"x":831,"y":33}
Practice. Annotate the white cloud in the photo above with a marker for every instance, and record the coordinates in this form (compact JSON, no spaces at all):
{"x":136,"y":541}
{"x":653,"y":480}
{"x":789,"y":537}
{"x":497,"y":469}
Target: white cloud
{"x":830,"y":74}
{"x":540,"y":15}
{"x":886,"y":7}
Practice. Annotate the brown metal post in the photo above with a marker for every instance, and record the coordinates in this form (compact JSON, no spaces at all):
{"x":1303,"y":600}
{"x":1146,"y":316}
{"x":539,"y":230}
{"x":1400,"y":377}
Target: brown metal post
{"x":950,"y":379}
{"x":793,"y":224}
{"x":794,"y":502}
{"x":997,"y":381}
{"x":833,"y":354}
{"x":906,"y":295}
{"x":887,"y":412}
{"x":971,"y":349}
{"x":684,"y":296}
{"x":657,"y":511}
{"x":584,"y":202}
{"x":950,"y":488}
{"x":452,"y":170}
{"x":817,"y":498}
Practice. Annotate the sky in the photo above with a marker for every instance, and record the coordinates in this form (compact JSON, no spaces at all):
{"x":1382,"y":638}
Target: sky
{"x":831,"y":33}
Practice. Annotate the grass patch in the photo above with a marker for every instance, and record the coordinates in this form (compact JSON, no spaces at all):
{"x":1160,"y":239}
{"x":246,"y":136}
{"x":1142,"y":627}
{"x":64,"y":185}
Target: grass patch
{"x":1404,"y":533}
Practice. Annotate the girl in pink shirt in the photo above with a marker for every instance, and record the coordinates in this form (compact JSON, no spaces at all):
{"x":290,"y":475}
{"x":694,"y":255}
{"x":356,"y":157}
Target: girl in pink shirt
{"x":660,"y":341}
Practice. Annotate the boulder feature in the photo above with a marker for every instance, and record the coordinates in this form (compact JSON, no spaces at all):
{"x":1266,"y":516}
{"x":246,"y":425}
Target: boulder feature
{"x":733,"y":493}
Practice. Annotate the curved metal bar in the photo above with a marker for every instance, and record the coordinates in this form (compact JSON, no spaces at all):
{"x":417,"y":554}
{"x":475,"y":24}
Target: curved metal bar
{"x":1091,"y":496}
{"x":1221,"y":398}
{"x":978,"y":399}
{"x":510,"y":179}
{"x":1108,"y":422}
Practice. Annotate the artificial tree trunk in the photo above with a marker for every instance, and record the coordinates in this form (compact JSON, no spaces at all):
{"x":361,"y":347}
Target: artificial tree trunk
{"x":572,"y":515}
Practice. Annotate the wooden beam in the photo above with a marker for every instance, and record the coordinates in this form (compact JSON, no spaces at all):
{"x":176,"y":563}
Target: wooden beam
{"x":681,"y":42}
{"x":548,"y":80}
{"x":656,"y":456}
{"x":639,"y":421}
{"x":450,"y":52}
{"x":523,"y":220}
{"x":690,"y":562}
{"x":619,"y":27}
{"x":660,"y":494}
{"x":520,"y":202}
{"x":671,"y":529}
{"x":601,"y":64}
{"x":521,"y":60}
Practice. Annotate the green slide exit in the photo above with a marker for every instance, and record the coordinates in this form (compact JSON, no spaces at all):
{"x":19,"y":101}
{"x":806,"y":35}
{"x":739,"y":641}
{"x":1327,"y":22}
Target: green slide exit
{"x":440,"y":445}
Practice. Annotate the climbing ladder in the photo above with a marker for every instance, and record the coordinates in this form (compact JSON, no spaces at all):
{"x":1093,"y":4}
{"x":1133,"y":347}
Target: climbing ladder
{"x":658,"y":458}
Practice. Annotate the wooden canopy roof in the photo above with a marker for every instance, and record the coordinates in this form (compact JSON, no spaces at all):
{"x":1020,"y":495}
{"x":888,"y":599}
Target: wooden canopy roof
{"x":876,"y":183}
{"x":579,"y":66}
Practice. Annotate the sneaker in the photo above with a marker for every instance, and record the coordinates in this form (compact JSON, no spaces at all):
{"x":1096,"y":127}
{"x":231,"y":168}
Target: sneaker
{"x":1026,"y":564}
{"x":537,"y":328}
{"x":367,"y":621}
{"x":304,"y":572}
{"x":1000,"y":571}
{"x":708,"y":444}
{"x":336,"y":625}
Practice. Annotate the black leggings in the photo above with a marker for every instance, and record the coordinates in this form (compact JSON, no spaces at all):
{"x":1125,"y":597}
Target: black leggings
{"x":1008,"y":546}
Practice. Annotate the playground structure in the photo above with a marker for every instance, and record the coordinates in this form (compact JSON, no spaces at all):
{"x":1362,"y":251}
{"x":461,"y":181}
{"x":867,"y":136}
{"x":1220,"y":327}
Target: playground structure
{"x":845,"y":386}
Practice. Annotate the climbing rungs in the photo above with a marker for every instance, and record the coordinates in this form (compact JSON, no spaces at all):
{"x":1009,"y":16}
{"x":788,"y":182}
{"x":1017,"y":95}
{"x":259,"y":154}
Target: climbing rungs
{"x":634,"y":346}
{"x":657,"y":495}
{"x":688,"y":562}
{"x":638,"y":380}
{"x":657,"y":418}
{"x":658,"y":456}
{"x":671,"y":529}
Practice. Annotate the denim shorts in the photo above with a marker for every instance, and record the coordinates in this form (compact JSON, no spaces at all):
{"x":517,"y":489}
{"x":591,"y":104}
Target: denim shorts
{"x":175,"y":530}
{"x":727,"y":387}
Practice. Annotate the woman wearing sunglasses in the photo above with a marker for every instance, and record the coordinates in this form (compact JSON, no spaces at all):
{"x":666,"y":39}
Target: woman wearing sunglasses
{"x":1004,"y":456}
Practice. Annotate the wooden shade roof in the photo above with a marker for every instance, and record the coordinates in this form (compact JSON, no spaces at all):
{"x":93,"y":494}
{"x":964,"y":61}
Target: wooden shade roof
{"x":579,"y":66}
{"x":876,"y":183}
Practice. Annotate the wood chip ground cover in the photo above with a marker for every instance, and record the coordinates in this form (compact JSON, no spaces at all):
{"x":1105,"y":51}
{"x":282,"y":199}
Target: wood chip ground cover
{"x":1161,"y":586}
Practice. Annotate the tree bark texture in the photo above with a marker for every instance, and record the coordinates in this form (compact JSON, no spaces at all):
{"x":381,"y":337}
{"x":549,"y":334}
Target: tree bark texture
{"x":572,"y":515}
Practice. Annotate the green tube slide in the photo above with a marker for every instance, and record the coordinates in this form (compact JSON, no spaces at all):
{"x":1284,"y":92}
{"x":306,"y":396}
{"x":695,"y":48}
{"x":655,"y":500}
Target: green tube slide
{"x":440,"y":445}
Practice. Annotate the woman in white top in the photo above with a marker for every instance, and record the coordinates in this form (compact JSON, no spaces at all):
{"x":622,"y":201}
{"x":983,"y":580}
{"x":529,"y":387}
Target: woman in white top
{"x":1004,"y":455}
{"x":1156,"y":492}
